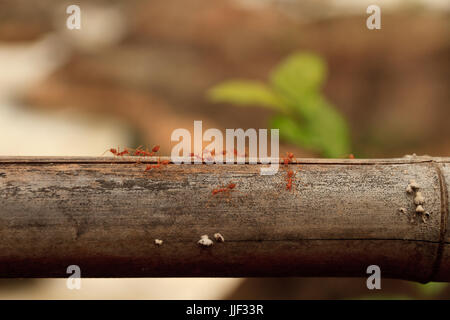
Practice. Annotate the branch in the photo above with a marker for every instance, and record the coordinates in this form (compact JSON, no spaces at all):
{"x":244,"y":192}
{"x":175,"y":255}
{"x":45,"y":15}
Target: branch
{"x":341,"y":216}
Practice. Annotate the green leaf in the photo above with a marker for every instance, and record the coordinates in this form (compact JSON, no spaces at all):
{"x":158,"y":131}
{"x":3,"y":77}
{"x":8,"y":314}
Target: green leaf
{"x":291,"y":131}
{"x":304,"y":117}
{"x":245,"y":93}
{"x":324,"y":131}
{"x":328,"y":130}
{"x":299,"y":78}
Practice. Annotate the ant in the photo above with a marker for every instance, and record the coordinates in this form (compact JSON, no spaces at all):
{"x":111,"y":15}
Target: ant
{"x":117,"y":152}
{"x":288,"y":158}
{"x":223,"y":190}
{"x":141,"y":152}
{"x":112,"y":150}
{"x":156,"y":166}
{"x":289,"y":179}
{"x":155,"y":149}
{"x":290,"y":174}
{"x":124,"y":152}
{"x":146,"y":153}
{"x":228,"y":188}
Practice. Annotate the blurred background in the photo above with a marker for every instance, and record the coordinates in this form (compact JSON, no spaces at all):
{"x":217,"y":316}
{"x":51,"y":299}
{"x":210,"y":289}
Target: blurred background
{"x":137,"y":70}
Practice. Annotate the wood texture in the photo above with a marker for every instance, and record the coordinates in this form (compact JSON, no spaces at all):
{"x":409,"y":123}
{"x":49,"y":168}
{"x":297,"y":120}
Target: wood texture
{"x":104,"y":214}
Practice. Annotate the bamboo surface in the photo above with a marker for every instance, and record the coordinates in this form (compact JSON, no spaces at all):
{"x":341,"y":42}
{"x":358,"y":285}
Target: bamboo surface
{"x":103,"y":214}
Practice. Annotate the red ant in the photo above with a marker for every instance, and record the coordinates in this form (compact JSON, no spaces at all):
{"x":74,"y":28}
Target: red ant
{"x":216,"y":191}
{"x":224,"y":191}
{"x":155,"y":148}
{"x":228,"y":188}
{"x":156,"y":166}
{"x":288,"y":158}
{"x":290,"y":173}
{"x":147,"y":153}
{"x":117,"y":152}
{"x":120,"y":154}
{"x":141,"y":152}
{"x":289,"y":179}
{"x":112,"y":150}
{"x":289,"y":184}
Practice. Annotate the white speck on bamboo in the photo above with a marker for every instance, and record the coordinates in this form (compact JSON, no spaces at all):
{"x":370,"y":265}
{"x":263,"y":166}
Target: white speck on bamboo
{"x":205,"y":241}
{"x":219,"y":237}
{"x":420,"y":209}
{"x":414,"y":185}
{"x":409,"y":189}
{"x":419,"y":199}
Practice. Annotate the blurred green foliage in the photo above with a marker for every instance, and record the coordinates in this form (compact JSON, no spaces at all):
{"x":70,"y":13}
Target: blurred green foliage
{"x":431,"y":289}
{"x":303,"y":115}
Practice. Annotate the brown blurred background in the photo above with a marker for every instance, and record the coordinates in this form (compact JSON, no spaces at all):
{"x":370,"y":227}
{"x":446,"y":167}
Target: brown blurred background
{"x":137,"y":70}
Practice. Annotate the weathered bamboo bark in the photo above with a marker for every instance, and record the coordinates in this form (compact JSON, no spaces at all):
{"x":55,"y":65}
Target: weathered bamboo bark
{"x":103,"y":214}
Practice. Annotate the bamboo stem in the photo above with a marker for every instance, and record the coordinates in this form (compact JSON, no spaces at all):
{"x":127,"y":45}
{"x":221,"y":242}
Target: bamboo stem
{"x":341,"y":216}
